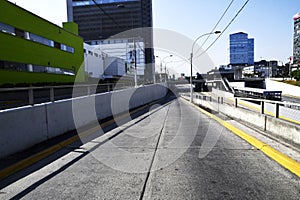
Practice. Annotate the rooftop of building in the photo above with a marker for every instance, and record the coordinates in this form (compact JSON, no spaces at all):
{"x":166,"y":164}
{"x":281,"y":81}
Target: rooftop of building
{"x":297,"y":16}
{"x":238,"y":33}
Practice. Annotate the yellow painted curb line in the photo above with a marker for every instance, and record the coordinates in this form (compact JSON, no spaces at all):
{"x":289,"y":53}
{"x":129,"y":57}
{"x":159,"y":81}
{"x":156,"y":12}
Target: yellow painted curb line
{"x":47,"y":152}
{"x":282,"y":159}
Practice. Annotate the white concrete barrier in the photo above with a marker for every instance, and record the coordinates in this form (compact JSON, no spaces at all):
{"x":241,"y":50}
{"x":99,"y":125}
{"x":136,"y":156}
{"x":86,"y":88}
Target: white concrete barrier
{"x":284,"y":130}
{"x":24,"y":127}
{"x":244,"y":115}
{"x":21,"y":128}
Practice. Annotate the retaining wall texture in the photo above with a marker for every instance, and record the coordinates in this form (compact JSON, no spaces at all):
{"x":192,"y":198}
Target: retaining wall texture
{"x":24,"y":127}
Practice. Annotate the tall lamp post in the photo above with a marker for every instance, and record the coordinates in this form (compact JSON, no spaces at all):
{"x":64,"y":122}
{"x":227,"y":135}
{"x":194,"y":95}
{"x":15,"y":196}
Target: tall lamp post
{"x":162,"y":60}
{"x":166,"y":71}
{"x":191,"y":77}
{"x":160,"y":64}
{"x":134,"y":46}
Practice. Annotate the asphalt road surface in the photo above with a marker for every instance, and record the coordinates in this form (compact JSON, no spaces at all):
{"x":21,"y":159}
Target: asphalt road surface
{"x":172,"y":152}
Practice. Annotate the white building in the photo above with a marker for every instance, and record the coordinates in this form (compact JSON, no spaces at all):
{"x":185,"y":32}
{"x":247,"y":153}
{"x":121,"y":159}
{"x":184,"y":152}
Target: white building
{"x":93,"y":61}
{"x":123,"y":48}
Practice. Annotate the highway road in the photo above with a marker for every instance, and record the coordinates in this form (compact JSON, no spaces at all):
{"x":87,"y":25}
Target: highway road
{"x":174,"y":151}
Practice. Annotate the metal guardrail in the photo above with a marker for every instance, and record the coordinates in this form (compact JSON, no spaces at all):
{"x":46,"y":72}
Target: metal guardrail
{"x":235,"y":102}
{"x":15,"y":97}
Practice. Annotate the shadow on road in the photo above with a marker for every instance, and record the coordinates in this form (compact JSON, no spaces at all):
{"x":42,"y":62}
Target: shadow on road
{"x":75,"y":147}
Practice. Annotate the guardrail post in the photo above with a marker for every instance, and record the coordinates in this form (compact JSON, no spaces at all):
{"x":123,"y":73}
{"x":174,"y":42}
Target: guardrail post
{"x":236,"y":103}
{"x":88,"y":90}
{"x":30,"y":97}
{"x":52,"y":94}
{"x":277,"y":110}
{"x":108,"y":88}
{"x":210,"y":99}
{"x":262,"y":107}
{"x":222,"y":100}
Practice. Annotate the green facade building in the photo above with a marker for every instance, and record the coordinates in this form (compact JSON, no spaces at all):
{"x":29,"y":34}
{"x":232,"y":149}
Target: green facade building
{"x":33,"y":50}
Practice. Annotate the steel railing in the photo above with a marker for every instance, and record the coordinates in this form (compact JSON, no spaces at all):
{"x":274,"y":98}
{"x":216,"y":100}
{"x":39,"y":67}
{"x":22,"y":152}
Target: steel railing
{"x":22,"y":96}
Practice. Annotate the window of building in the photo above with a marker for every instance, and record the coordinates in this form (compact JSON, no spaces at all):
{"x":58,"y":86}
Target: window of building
{"x":89,"y":2}
{"x":67,"y":48}
{"x":57,"y":45}
{"x":33,"y":37}
{"x":7,"y":28}
{"x":5,"y":65}
{"x":19,"y":33}
{"x":41,"y":40}
{"x":14,"y":66}
{"x":70,"y":49}
{"x":63,"y":47}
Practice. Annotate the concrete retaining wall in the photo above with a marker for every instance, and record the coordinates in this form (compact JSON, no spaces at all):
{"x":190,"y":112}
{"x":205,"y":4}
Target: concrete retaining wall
{"x":24,"y":127}
{"x":247,"y":116}
{"x":284,"y":130}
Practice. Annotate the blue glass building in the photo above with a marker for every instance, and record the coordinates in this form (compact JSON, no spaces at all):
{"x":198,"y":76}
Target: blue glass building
{"x":241,"y":49}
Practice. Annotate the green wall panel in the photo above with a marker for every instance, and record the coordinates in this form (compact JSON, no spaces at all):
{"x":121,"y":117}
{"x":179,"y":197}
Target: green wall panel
{"x":16,"y":49}
{"x":13,"y":77}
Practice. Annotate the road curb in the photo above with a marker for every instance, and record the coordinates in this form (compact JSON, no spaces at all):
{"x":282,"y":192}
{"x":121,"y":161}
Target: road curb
{"x":282,"y":159}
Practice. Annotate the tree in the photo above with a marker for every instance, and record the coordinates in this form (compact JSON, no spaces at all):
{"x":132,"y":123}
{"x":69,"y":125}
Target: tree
{"x":296,"y":74}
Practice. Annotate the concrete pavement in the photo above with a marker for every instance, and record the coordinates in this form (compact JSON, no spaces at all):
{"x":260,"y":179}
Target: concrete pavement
{"x":172,"y":152}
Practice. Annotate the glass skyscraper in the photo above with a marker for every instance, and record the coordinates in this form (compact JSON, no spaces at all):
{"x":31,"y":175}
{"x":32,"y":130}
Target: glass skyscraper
{"x":241,"y":49}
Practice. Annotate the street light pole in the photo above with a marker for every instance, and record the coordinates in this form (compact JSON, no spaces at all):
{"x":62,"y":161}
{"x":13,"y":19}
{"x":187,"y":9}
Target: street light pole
{"x":160,"y":64}
{"x":135,"y":68}
{"x":166,"y":66}
{"x":154,"y":78}
{"x":191,"y":77}
{"x":166,"y":71}
{"x":162,"y":60}
{"x":134,"y":46}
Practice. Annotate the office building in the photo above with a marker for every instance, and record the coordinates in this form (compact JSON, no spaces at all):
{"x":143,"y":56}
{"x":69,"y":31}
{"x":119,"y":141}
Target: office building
{"x":34,"y":50}
{"x":266,"y":69}
{"x":296,"y":54}
{"x":241,"y":49}
{"x":99,"y":20}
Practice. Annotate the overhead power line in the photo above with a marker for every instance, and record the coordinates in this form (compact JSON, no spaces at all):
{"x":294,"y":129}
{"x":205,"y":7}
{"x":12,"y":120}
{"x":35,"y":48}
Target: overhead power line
{"x":236,"y":15}
{"x":224,"y":29}
{"x":214,"y":28}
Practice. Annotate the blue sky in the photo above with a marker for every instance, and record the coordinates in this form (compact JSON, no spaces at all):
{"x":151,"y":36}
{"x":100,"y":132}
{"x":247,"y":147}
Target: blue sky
{"x":268,"y":21}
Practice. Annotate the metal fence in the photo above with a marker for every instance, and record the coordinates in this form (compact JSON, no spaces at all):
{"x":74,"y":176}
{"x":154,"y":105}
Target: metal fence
{"x":16,"y":97}
{"x":288,"y":111}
